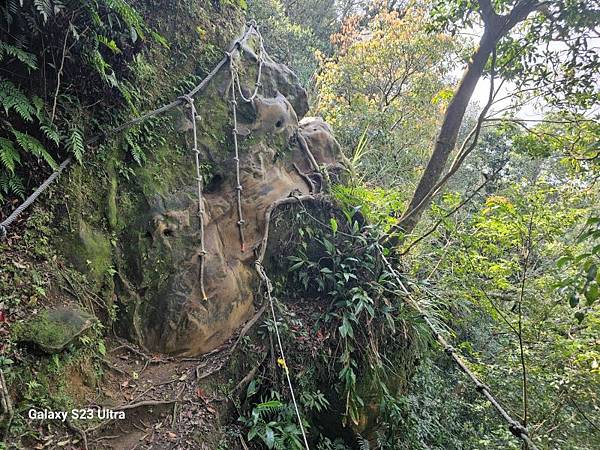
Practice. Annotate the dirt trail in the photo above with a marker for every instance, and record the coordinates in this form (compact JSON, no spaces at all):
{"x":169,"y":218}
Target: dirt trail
{"x":169,"y":403}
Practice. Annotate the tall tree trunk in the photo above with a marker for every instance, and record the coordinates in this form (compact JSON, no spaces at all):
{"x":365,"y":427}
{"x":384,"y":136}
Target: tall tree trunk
{"x":446,"y":139}
{"x":495,"y":27}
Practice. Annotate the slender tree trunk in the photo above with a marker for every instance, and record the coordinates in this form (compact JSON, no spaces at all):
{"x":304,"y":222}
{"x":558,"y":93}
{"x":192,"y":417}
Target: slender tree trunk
{"x":495,"y":27}
{"x":446,"y":139}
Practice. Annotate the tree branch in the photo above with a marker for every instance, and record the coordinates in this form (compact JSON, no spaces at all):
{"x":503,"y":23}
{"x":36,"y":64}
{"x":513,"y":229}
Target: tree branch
{"x":487,"y":12}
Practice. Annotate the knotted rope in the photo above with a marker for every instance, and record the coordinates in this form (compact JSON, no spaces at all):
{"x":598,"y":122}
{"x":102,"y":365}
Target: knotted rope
{"x":202,"y":255}
{"x":236,"y":80}
{"x":5,"y":224}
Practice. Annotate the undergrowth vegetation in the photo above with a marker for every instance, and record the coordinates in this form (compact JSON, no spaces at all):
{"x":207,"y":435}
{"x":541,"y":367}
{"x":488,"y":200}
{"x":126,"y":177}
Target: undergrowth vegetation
{"x":44,"y":47}
{"x":341,"y":310}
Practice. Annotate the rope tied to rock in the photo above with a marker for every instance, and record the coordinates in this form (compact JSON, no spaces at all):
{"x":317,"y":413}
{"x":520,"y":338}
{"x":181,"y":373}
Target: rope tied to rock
{"x":202,"y":254}
{"x":235,"y":79}
{"x":250,"y":29}
{"x":517,"y":429}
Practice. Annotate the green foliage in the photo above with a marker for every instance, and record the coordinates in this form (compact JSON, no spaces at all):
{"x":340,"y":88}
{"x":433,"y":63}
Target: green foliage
{"x":378,"y":205}
{"x":31,"y":145}
{"x":382,"y":92}
{"x":496,"y":264}
{"x":274,"y":423}
{"x":294,"y":32}
{"x":562,"y":73}
{"x":47,"y":114}
{"x":28,"y":59}
{"x":581,"y":285}
{"x":341,"y":263}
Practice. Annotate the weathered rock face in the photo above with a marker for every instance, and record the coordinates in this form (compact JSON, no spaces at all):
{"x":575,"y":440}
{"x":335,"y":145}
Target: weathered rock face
{"x":167,"y":312}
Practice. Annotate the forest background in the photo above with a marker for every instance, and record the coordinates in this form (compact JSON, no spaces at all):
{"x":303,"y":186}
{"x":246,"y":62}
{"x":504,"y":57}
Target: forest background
{"x":502,"y":244}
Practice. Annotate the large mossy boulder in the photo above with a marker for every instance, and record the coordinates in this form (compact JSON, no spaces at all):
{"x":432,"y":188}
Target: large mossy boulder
{"x":135,"y":231}
{"x":160,"y":282}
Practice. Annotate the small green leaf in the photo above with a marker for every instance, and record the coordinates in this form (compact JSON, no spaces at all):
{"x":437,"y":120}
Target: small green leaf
{"x":591,"y":293}
{"x":334,"y":225}
{"x":563,"y":261}
{"x":251,"y":389}
{"x":269,"y":437}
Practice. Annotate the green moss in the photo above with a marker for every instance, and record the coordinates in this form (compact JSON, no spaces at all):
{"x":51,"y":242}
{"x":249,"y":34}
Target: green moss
{"x":52,"y":330}
{"x":90,"y":251}
{"x":165,"y":169}
{"x":111,"y":206}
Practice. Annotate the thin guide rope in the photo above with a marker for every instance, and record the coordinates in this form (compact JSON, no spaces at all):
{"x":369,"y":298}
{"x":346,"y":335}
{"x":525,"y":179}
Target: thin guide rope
{"x":516,"y":428}
{"x":202,"y":255}
{"x":269,"y":288}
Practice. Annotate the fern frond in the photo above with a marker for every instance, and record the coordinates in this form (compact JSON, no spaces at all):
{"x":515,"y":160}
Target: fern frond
{"x":11,"y":185}
{"x":109,"y":43}
{"x":10,"y":10}
{"x":33,"y":146}
{"x":160,"y":39}
{"x":29,"y":59}
{"x":13,"y":6}
{"x":271,"y":406}
{"x":44,"y":8}
{"x":75,"y":143}
{"x":130,"y":16}
{"x":51,"y":133}
{"x":136,"y":151}
{"x":58,"y":6}
{"x":38,"y":106}
{"x":364,"y":444}
{"x":11,"y":97}
{"x":9,"y":156}
{"x":15,"y":184}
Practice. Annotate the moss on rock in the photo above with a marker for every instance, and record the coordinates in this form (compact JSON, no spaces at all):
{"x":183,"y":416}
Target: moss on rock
{"x":53,"y":330}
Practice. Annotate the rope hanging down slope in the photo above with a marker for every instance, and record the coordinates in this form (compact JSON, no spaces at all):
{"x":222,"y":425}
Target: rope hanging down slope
{"x":515,"y":427}
{"x":193,"y":115}
{"x":188,"y":98}
{"x":250,"y":29}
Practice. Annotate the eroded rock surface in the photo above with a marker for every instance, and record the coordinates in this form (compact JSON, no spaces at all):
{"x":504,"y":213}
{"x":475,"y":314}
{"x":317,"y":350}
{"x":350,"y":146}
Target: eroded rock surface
{"x":167,"y":313}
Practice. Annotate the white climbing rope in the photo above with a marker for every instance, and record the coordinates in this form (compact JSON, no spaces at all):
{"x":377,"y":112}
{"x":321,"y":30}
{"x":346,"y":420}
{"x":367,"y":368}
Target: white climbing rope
{"x":236,"y":77}
{"x":235,"y":80}
{"x":269,"y":287}
{"x":193,"y":114}
{"x":251,"y":28}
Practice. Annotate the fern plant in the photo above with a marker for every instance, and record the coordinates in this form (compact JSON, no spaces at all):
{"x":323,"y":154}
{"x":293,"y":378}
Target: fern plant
{"x":274,"y":424}
{"x":45,"y":119}
{"x":28,"y":110}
